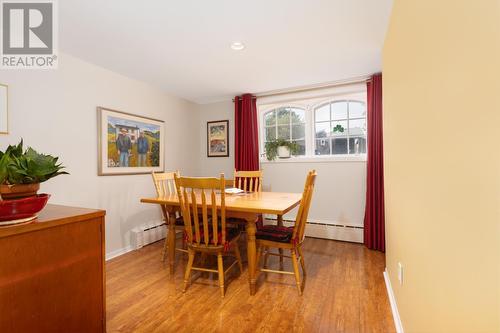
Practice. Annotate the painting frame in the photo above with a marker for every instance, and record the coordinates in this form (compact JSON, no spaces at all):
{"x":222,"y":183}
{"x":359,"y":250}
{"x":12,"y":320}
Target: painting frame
{"x":211,"y":138}
{"x":4,"y":109}
{"x":107,"y":166}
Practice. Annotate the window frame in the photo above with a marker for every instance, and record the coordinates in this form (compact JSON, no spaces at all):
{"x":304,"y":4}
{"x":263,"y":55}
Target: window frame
{"x":309,"y":105}
{"x":262,"y":127}
{"x":290,"y":125}
{"x":331,"y":121}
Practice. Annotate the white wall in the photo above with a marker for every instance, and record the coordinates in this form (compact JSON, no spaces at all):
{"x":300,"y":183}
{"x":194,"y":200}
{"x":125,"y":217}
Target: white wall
{"x":340,"y":191}
{"x":339,"y":195}
{"x":55,"y":112}
{"x":213,"y":166}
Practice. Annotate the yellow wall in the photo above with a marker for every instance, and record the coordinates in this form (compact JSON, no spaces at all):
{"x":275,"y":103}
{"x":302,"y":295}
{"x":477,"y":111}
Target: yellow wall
{"x":441,"y":67}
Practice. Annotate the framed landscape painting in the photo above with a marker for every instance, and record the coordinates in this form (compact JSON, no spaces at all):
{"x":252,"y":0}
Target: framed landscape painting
{"x":218,"y":138}
{"x":129,"y":144}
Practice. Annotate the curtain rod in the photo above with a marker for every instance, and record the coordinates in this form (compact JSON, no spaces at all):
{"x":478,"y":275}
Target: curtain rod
{"x":359,"y":79}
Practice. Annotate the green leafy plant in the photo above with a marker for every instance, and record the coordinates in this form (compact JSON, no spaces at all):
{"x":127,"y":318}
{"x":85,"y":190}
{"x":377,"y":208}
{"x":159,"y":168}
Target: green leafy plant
{"x":339,"y":128}
{"x":272,"y":148}
{"x":27,"y":167}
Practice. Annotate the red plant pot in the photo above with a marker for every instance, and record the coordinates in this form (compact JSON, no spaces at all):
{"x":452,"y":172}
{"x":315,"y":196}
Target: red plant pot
{"x":22,"y":208}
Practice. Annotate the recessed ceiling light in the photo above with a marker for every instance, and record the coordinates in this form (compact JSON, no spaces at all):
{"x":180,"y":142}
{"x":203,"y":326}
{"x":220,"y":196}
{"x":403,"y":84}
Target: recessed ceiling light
{"x":237,"y":46}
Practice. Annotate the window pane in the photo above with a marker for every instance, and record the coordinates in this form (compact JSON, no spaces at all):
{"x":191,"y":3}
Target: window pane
{"x":357,"y":145}
{"x":283,"y":116}
{"x":357,"y":127}
{"x":298,"y":115}
{"x":339,"y":128}
{"x":323,"y":113}
{"x":339,"y":110}
{"x":339,"y":146}
{"x":357,"y":110}
{"x":302,"y":147}
{"x":299,"y":131}
{"x":270,"y":118}
{"x":322,"y":147}
{"x":284,"y":132}
{"x":322,"y":130}
{"x":270,"y":133}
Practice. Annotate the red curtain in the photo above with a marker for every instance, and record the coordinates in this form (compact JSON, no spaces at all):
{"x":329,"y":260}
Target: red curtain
{"x":374,"y":228}
{"x":246,"y":137}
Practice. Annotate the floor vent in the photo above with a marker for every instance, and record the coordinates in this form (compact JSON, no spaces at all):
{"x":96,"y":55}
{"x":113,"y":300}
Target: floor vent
{"x":147,"y":234}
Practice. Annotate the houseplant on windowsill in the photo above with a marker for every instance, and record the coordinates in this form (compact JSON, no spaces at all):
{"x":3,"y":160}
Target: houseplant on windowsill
{"x":21,"y":172}
{"x":280,"y":148}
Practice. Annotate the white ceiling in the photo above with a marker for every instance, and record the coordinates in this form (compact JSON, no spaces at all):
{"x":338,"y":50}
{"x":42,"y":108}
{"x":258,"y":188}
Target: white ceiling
{"x":183,"y":47}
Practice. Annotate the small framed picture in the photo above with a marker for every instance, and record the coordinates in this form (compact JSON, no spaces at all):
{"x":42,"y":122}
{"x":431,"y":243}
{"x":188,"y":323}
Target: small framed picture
{"x":4,"y":109}
{"x":129,"y":144}
{"x":218,"y":138}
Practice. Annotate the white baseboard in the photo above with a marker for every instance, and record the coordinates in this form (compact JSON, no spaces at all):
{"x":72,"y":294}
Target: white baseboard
{"x":394,"y":306}
{"x":117,"y":253}
{"x":329,"y":230}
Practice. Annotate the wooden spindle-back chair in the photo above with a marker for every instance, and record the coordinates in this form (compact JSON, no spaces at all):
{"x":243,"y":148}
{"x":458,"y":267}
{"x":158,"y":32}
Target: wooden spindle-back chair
{"x":165,"y":185}
{"x":250,"y":181}
{"x":203,"y":200}
{"x":288,"y":238}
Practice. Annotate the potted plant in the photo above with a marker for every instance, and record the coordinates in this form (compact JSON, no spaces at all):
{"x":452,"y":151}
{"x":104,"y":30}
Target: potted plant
{"x":280,"y":148}
{"x":21,"y":172}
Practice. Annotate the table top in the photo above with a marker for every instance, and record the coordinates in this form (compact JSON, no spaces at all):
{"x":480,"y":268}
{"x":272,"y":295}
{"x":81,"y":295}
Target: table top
{"x":275,"y":203}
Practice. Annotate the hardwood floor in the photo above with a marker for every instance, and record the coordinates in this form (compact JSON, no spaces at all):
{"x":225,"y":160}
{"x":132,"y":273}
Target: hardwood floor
{"x":344,"y":292}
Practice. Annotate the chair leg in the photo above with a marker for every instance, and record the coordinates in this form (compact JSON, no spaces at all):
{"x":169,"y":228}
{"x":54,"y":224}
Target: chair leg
{"x":266,"y":255}
{"x":220,"y":265}
{"x":238,"y":257}
{"x":280,"y":224}
{"x":302,"y":260}
{"x":296,"y":270}
{"x":259,"y":254}
{"x":187,"y":275}
{"x":164,"y":253}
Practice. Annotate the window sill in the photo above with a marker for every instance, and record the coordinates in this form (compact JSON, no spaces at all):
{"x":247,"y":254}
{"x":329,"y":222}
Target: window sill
{"x":317,"y":159}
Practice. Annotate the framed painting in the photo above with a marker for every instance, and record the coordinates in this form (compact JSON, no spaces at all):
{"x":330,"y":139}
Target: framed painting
{"x":129,"y":144}
{"x":218,"y":138}
{"x":4,"y":109}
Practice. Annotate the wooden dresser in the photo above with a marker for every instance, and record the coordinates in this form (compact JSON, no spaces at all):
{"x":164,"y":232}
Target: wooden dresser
{"x":52,"y":273}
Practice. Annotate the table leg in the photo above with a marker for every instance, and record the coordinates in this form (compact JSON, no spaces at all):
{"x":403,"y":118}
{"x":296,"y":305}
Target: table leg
{"x":252,"y":255}
{"x":280,"y":224}
{"x":171,"y":241}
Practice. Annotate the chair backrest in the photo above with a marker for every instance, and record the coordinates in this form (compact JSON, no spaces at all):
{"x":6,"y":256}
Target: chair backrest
{"x":200,"y":196}
{"x":305,"y":204}
{"x":250,"y":181}
{"x":164,"y":182}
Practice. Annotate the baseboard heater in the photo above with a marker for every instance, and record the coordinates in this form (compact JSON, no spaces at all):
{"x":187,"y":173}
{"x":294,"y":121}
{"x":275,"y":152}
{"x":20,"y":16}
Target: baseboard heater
{"x":147,"y":234}
{"x":325,"y":230}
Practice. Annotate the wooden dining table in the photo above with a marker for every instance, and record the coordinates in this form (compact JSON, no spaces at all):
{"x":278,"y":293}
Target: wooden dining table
{"x":246,"y":206}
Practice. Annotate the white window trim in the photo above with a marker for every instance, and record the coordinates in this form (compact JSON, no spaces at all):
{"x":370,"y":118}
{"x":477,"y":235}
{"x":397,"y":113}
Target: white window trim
{"x":309,"y":157}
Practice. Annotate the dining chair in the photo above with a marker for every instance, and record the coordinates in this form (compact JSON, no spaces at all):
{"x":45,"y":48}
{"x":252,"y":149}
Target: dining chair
{"x":250,"y":181}
{"x":199,"y":196}
{"x":165,"y":185}
{"x":288,"y":238}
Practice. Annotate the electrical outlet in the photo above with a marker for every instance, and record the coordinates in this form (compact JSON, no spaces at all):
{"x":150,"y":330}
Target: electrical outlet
{"x":400,"y":273}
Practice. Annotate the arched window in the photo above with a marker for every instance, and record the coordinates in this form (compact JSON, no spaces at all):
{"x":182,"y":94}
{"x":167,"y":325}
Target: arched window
{"x":340,"y":128}
{"x":286,"y":123}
